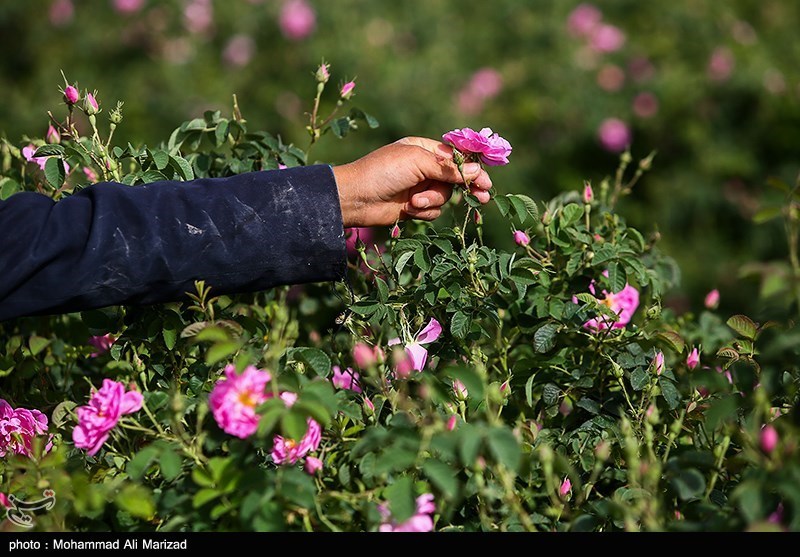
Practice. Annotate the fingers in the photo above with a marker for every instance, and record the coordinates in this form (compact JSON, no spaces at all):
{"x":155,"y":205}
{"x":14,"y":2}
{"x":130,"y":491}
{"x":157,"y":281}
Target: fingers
{"x":433,"y":196}
{"x":422,"y":214}
{"x":437,"y":164}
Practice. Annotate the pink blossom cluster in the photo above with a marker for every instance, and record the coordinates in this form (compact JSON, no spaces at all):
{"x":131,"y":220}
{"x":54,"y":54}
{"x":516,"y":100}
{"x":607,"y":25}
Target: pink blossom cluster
{"x":18,"y":427}
{"x":420,"y":522}
{"x":586,"y":22}
{"x":289,"y":451}
{"x":622,"y":303}
{"x":106,"y":407}
{"x":492,"y":149}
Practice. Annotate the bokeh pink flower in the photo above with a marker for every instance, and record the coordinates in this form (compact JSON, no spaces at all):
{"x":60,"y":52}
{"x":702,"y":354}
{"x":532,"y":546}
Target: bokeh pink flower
{"x":645,"y":105}
{"x":239,"y":51}
{"x":235,"y":398}
{"x":711,"y":300}
{"x":485,"y":84}
{"x":312,"y":465}
{"x":606,"y":38}
{"x":422,"y":520}
{"x":18,"y":428}
{"x":720,"y":64}
{"x":297,"y":20}
{"x":768,"y":438}
{"x":101,"y":344}
{"x":61,"y":13}
{"x":583,"y":19}
{"x":127,"y":7}
{"x":614,"y":135}
{"x":492,"y":149}
{"x":106,"y":407}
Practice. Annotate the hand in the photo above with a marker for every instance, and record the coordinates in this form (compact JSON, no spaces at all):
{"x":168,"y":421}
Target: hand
{"x":410,"y":178}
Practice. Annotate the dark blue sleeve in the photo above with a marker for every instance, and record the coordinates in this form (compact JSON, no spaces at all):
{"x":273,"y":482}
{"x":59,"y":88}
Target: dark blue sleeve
{"x":113,"y":244}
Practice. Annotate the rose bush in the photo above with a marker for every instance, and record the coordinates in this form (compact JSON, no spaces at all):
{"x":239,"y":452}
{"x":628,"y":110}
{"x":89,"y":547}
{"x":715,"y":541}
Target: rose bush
{"x":447,"y":385}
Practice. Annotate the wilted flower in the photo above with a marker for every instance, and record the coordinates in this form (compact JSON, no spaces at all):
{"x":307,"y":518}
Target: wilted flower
{"x":297,"y":20}
{"x":347,"y":90}
{"x":492,"y":149}
{"x":614,"y":135}
{"x":18,"y":427}
{"x":566,"y":487}
{"x":312,"y":465}
{"x":234,"y":400}
{"x":417,"y":354}
{"x":289,"y":451}
{"x":768,"y":438}
{"x":521,"y":238}
{"x":420,"y":522}
{"x":712,"y":299}
{"x":97,"y":419}
{"x":693,"y":359}
{"x":347,"y":379}
{"x":101,"y":343}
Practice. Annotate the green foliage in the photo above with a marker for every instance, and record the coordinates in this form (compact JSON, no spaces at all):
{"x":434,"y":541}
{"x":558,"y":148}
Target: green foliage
{"x":543,"y":395}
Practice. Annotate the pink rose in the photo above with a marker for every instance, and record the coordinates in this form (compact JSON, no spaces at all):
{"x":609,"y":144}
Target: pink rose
{"x":366,"y":356}
{"x":623,"y":303}
{"x":420,"y":522}
{"x":101,"y":343}
{"x":492,"y":149}
{"x":289,"y":451}
{"x":347,"y":379}
{"x":347,"y":90}
{"x":712,"y":299}
{"x":566,"y":487}
{"x":18,"y":427}
{"x":417,"y":355}
{"x":71,"y":95}
{"x":234,"y":400}
{"x":104,"y":410}
{"x":312,"y":465}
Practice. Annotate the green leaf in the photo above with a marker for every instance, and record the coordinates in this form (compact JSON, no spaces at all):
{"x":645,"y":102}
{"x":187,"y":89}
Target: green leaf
{"x":54,"y":172}
{"x":422,"y":260}
{"x":503,"y":204}
{"x":743,"y":325}
{"x":160,"y":159}
{"x":469,"y":443}
{"x":314,"y":359}
{"x":669,"y":392}
{"x":617,"y":277}
{"x":62,"y":412}
{"x":471,"y":379}
{"x":313,"y":409}
{"x":138,"y":465}
{"x":589,"y":405}
{"x":400,"y":264}
{"x":294,"y":424}
{"x":8,"y":187}
{"x":220,"y":351}
{"x":459,"y":324}
{"x":529,"y":390}
{"x":137,"y":501}
{"x":170,"y":463}
{"x":544,"y":339}
{"x":212,"y":333}
{"x":340,"y":126}
{"x":204,"y":496}
{"x":767,"y":214}
{"x":50,"y":150}
{"x":221,"y":132}
{"x":550,"y":394}
{"x":182,"y":167}
{"x":170,"y":337}
{"x":689,"y":484}
{"x":383,"y":289}
{"x":721,"y":410}
{"x":152,"y":176}
{"x":673,"y":339}
{"x":402,"y":503}
{"x":750,"y":500}
{"x":639,"y":378}
{"x":37,"y":344}
{"x":443,"y":476}
{"x":503,"y":445}
{"x":571,"y":214}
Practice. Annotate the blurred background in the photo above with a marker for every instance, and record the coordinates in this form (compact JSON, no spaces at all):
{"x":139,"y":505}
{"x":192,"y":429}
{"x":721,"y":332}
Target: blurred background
{"x":711,"y":86}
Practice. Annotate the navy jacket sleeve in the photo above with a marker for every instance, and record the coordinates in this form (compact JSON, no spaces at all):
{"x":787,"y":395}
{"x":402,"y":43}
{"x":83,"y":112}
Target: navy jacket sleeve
{"x":113,"y":244}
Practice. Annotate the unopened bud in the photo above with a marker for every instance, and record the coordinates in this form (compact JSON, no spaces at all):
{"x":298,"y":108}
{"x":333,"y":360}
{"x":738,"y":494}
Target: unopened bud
{"x":116,"y":115}
{"x":323,"y":73}
{"x":90,"y":105}
{"x":521,"y":238}
{"x":71,"y":95}
{"x":395,"y":231}
{"x":52,"y":135}
{"x":369,"y":408}
{"x":769,"y":438}
{"x":347,"y":90}
{"x":588,"y":194}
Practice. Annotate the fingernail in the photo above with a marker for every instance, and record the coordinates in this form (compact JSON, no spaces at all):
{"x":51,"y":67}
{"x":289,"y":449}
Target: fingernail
{"x":423,"y":202}
{"x":472,"y":168}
